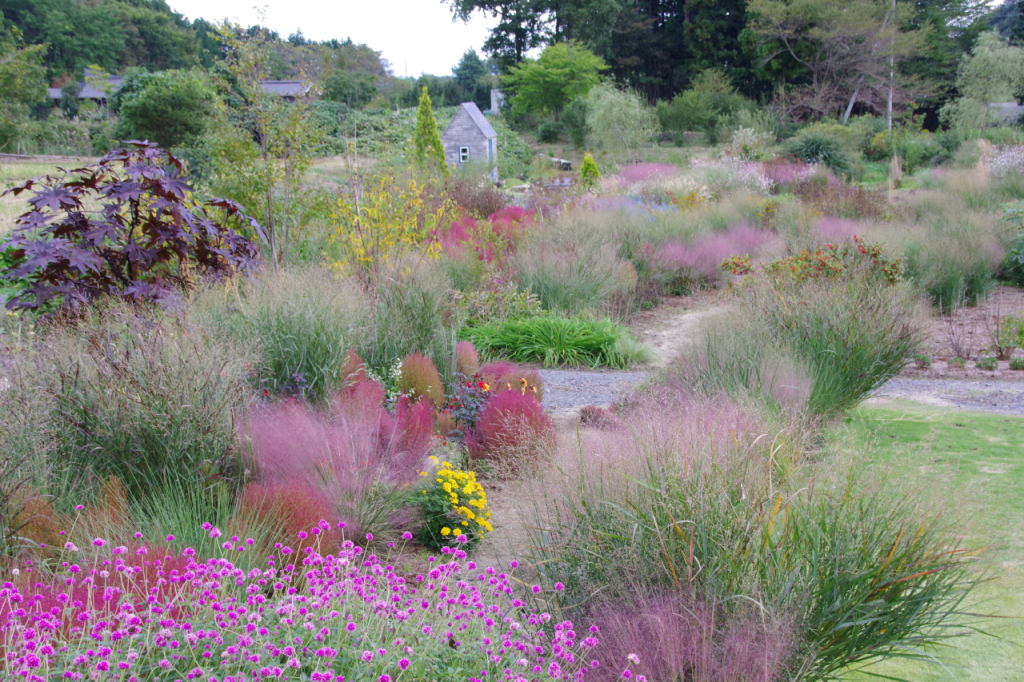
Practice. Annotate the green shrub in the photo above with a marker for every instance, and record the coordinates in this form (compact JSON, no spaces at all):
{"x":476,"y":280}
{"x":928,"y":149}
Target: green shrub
{"x":151,"y":403}
{"x":952,"y":269}
{"x":574,"y":118}
{"x":557,"y":341}
{"x":957,"y":363}
{"x":922,"y":361}
{"x":816,"y":147}
{"x":1017,"y":363}
{"x":988,"y":363}
{"x":548,"y":132}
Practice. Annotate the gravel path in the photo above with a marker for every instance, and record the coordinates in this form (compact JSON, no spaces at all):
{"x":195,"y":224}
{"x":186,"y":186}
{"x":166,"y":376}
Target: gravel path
{"x":565,"y":391}
{"x":1004,"y":397}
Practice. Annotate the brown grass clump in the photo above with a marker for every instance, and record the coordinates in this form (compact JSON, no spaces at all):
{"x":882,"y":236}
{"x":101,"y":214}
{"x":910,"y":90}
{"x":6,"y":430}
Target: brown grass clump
{"x":466,"y":359}
{"x":420,"y":379}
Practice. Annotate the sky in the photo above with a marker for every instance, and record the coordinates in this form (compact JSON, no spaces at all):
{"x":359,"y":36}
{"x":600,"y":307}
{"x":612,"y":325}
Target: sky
{"x":415,"y":36}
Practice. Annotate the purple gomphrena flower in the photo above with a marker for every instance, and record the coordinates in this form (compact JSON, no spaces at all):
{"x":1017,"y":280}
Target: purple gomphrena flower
{"x":404,"y":663}
{"x":514,"y":564}
{"x":407,"y":535}
{"x":341,"y":524}
{"x":626,"y":674}
{"x":303,"y":535}
{"x":120,"y":549}
{"x":70,"y":546}
{"x":385,"y":678}
{"x":351,"y":627}
{"x":536,"y":589}
{"x":215,"y":532}
{"x":559,"y":587}
{"x":633,"y":658}
{"x":79,"y":507}
{"x":369,"y":538}
{"x":99,"y":542}
{"x":170,"y":538}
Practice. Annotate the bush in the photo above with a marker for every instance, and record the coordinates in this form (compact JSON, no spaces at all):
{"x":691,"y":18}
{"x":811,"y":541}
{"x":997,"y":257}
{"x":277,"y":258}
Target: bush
{"x":951,"y":279}
{"x":574,"y":118}
{"x":813,"y":147}
{"x":1013,"y":262}
{"x":146,"y":244}
{"x":619,"y":120}
{"x":121,"y":388}
{"x":512,"y":431}
{"x":419,"y":379}
{"x":171,"y":108}
{"x":555,"y":341}
{"x":548,"y":132}
{"x":1017,"y":363}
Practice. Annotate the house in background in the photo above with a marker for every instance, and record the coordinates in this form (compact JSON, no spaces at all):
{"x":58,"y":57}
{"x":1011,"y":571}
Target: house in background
{"x":470,"y":138}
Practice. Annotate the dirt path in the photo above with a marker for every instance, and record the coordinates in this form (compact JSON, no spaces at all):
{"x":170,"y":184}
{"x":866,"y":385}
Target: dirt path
{"x":666,"y":329}
{"x":972,"y":395}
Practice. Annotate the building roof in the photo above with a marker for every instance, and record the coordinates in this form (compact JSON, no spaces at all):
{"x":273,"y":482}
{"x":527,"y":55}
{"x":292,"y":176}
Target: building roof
{"x":478,"y":117}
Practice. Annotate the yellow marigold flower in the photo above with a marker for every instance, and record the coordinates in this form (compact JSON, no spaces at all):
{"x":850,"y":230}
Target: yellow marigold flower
{"x":424,"y":473}
{"x":446,"y":531}
{"x":433,"y":458}
{"x":447,"y":487}
{"x":457,"y":532}
{"x":465,"y":523}
{"x":446,"y":465}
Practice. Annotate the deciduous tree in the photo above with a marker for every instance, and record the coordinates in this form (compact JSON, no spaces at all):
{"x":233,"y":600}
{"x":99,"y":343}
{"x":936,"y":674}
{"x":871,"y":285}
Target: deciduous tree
{"x":993,"y":73}
{"x":562,"y":73}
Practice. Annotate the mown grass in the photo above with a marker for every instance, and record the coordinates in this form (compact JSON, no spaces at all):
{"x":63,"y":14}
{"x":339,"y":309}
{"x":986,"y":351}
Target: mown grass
{"x":972,"y":465}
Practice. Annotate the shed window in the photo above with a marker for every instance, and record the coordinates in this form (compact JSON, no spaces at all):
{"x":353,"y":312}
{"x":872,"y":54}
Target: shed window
{"x":463,"y":154}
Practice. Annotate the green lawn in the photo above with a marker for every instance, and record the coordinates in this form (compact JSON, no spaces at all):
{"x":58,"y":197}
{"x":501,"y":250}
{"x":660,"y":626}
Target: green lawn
{"x":972,"y":465}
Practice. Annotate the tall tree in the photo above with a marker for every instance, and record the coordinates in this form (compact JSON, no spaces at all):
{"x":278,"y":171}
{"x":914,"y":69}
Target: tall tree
{"x":545,"y":85}
{"x":835,"y":49}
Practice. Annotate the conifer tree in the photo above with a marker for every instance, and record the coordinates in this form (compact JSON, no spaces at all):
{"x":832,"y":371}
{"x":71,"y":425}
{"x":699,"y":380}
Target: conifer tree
{"x":589,"y":174}
{"x":428,"y":149}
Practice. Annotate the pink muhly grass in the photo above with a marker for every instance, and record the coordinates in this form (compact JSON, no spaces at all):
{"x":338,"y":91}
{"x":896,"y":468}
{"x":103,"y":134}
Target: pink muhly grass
{"x":676,"y":637}
{"x":419,"y":379}
{"x":513,"y":427}
{"x":706,"y":254}
{"x":508,"y":376}
{"x":837,"y":230}
{"x":641,"y":172}
{"x":466,"y":359}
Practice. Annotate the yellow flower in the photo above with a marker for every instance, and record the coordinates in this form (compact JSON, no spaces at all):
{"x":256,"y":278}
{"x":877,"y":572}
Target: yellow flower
{"x":446,"y":531}
{"x":457,"y":532}
{"x":433,"y":459}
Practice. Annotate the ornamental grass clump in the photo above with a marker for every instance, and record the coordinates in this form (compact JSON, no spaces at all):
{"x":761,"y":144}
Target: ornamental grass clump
{"x":143,"y":611}
{"x":512,"y":431}
{"x":706,"y":500}
{"x":419,"y":380}
{"x":121,"y":385}
{"x":453,"y":506}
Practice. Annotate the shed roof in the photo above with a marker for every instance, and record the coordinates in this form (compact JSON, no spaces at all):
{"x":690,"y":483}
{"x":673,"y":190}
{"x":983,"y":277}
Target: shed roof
{"x":478,"y":117}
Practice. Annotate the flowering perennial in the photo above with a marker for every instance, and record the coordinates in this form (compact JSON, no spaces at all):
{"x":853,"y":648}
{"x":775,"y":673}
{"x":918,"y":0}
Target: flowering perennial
{"x":116,"y":613}
{"x":453,"y":505}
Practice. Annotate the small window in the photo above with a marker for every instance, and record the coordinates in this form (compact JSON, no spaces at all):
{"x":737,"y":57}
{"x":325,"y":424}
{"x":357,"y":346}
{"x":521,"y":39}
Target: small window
{"x":463,"y":154}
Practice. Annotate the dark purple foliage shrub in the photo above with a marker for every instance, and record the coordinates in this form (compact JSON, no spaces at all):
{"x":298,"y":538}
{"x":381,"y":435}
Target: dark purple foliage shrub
{"x":672,"y":637}
{"x":126,"y":226}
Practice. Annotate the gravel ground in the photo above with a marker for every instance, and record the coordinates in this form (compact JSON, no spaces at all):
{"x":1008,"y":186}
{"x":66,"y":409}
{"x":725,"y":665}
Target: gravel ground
{"x":568,"y":390}
{"x":1004,"y":397}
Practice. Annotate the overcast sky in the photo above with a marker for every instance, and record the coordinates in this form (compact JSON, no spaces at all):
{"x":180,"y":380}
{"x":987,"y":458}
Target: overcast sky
{"x":416,"y":36}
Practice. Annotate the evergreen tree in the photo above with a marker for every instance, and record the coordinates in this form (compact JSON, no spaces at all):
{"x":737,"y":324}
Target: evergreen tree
{"x":428,"y":150}
{"x":589,"y":174}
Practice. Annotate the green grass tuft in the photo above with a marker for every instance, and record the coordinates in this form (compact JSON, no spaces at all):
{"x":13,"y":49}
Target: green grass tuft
{"x":560,"y":341}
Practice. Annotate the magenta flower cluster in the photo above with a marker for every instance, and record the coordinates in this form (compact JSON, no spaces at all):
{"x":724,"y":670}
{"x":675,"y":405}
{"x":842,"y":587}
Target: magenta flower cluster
{"x":147,"y":613}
